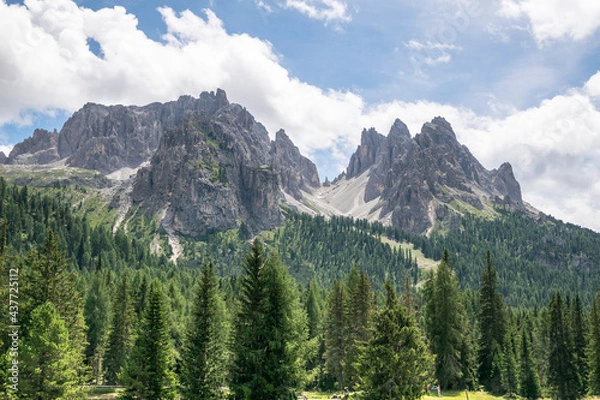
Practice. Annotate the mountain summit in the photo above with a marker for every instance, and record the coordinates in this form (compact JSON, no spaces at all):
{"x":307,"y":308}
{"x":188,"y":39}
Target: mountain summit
{"x":205,"y":164}
{"x":418,"y":183}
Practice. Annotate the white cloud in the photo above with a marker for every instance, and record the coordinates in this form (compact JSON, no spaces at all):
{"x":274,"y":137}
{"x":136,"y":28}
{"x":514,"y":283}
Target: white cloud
{"x":6,"y":149}
{"x":324,"y":10}
{"x":555,"y":19}
{"x":45,"y":65}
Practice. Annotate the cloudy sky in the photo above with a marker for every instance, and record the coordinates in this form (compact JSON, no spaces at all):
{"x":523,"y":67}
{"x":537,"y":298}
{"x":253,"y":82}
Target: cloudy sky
{"x":519,"y":80}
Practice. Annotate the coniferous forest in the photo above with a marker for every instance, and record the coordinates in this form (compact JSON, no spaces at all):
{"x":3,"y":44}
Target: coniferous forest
{"x":510,"y":306}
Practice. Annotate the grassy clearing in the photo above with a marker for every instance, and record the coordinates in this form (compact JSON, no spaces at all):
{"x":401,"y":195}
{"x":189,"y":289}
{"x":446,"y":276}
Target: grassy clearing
{"x":462,"y":395}
{"x":424,"y":263}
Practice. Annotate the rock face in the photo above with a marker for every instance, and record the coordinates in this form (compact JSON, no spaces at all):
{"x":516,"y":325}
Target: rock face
{"x":417,"y":180}
{"x":38,"y":149}
{"x":296,"y":172}
{"x":370,"y":145}
{"x":211,"y":172}
{"x":107,"y":139}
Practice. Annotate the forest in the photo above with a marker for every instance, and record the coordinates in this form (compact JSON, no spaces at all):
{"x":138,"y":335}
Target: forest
{"x":511,"y":307}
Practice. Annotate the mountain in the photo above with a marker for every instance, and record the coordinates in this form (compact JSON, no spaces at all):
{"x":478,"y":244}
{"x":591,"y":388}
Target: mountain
{"x":204,"y":164}
{"x":419,"y":184}
{"x":199,"y":165}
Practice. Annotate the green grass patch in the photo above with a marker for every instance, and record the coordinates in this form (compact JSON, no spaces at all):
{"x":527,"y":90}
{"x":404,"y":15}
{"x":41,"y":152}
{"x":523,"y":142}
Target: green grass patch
{"x":462,"y":395}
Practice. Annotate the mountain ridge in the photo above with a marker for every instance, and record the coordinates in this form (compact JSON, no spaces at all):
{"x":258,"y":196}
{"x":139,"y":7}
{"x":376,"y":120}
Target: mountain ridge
{"x":206,"y":164}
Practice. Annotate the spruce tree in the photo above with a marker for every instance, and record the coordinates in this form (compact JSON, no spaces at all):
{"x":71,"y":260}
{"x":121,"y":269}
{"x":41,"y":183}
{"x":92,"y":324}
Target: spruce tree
{"x":96,"y":312}
{"x":47,"y":278}
{"x":204,"y":358}
{"x":270,"y":331}
{"x":287,"y":332}
{"x":562,"y":371}
{"x":359,"y":309}
{"x":314,"y":306}
{"x":446,"y":325}
{"x":579,"y":331}
{"x":149,"y":373}
{"x":510,"y":372}
{"x":48,"y":361}
{"x":335,"y":333}
{"x":492,"y":328}
{"x":120,"y":337}
{"x":529,"y":382}
{"x":395,"y":363}
{"x":593,"y":353}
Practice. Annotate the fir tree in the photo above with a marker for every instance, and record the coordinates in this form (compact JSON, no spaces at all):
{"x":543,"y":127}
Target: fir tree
{"x":149,"y":373}
{"x":529,"y":386}
{"x":96,"y":313}
{"x":492,"y":327}
{"x":580,"y":345}
{"x":314,"y":309}
{"x":249,"y":333}
{"x":594,"y":348}
{"x":48,"y":361}
{"x":204,"y":358}
{"x":445,"y":322}
{"x":287,"y":332}
{"x":395,"y":363}
{"x":359,"y":308}
{"x":270,"y":331}
{"x":314,"y":305}
{"x":335,"y":333}
{"x":510,"y":372}
{"x":120,"y":337}
{"x":48,"y":279}
{"x":562,"y":371}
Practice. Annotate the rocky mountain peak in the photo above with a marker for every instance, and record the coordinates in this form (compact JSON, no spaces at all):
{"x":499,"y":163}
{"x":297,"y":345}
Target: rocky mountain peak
{"x":40,"y":148}
{"x":438,"y":131}
{"x":418,"y":181}
{"x":296,"y":172}
{"x":399,"y":131}
{"x":210,"y":172}
{"x":365,"y":156}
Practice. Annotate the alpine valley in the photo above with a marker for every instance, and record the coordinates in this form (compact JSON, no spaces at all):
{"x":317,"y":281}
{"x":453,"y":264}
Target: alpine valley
{"x":196,"y":178}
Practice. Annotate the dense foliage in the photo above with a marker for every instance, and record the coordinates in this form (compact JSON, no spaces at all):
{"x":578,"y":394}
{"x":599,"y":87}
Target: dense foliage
{"x":512,"y":306}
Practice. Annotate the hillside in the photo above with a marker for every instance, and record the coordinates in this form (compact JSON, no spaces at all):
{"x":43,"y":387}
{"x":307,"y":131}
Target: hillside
{"x":209,"y":178}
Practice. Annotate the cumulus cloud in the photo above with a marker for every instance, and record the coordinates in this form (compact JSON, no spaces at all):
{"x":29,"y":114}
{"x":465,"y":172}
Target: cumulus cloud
{"x":324,"y":10}
{"x":555,"y":19}
{"x":46,"y":66}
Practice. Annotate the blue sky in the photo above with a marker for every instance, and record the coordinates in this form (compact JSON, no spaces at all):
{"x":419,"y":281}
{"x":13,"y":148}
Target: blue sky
{"x":518,"y":79}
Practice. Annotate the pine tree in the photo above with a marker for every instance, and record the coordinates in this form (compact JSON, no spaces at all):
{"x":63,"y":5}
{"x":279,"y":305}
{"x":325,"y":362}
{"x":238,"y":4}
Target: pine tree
{"x":445,"y":322}
{"x":529,"y":386}
{"x":492,"y":327}
{"x":249,"y":333}
{"x":359,"y":309}
{"x":270,"y":331}
{"x":96,"y":313}
{"x":562,"y":371}
{"x":314,"y":309}
{"x":510,"y":372}
{"x":593,"y":353}
{"x":204,"y":358}
{"x":396,"y":363}
{"x":48,"y":362}
{"x":287,"y":332}
{"x":580,"y":345}
{"x":335,"y":333}
{"x":149,"y":373}
{"x":47,"y":278}
{"x":314,"y":306}
{"x":120,"y":337}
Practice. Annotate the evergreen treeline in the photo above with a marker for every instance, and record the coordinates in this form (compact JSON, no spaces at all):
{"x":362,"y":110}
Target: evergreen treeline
{"x":115,"y":314}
